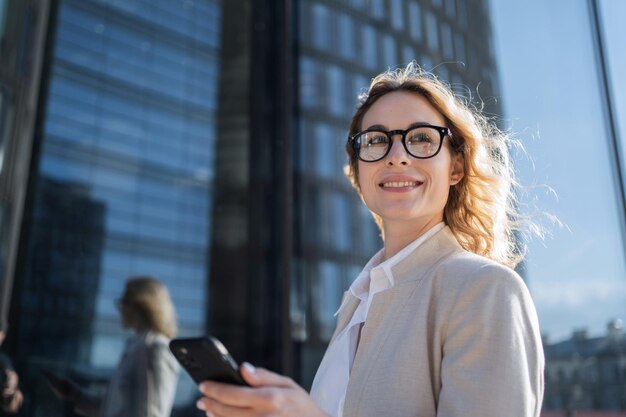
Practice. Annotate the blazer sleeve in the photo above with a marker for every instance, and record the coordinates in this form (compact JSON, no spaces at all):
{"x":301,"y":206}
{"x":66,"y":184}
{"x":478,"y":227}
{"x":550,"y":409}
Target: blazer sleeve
{"x":136,"y":394}
{"x":161,"y":380}
{"x":493,"y":362}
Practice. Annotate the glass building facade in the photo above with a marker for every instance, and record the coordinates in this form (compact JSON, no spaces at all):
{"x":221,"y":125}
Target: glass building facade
{"x":122,"y":181}
{"x":129,"y":125}
{"x":202,"y":142}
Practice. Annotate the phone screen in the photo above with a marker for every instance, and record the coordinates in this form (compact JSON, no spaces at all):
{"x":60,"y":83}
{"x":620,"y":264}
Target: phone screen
{"x":206,"y":358}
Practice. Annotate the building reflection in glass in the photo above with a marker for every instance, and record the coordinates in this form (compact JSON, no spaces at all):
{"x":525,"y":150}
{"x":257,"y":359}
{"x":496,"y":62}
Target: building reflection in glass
{"x":587,"y":373}
{"x":124,"y":179}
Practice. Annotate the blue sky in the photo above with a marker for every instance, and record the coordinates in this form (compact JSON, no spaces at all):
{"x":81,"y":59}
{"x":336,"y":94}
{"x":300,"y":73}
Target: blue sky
{"x":552,"y":101}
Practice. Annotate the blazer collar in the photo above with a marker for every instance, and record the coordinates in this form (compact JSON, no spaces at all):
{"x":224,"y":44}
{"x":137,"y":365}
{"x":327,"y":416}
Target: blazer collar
{"x":410,"y":269}
{"x":425,"y":256}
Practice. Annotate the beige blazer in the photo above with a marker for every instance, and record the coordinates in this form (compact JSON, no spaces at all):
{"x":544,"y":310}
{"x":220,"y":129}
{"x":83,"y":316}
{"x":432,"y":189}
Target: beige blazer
{"x":456,"y":336}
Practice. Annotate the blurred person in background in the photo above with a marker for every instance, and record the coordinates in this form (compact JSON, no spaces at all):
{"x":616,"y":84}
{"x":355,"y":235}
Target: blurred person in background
{"x":144,"y":382}
{"x":437,"y":323}
{"x":11,"y":397}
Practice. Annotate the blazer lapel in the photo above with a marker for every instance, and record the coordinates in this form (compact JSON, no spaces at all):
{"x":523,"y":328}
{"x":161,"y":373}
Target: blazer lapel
{"x":380,"y":318}
{"x":348,"y":306}
{"x":386,"y":306}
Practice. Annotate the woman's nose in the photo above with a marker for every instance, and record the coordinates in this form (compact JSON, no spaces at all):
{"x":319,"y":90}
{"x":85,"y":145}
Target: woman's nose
{"x":397,"y":154}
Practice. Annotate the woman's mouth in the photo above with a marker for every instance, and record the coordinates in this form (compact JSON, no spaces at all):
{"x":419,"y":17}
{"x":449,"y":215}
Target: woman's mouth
{"x":399,"y":184}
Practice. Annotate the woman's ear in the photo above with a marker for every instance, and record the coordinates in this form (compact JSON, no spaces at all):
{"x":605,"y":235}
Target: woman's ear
{"x":457,"y":168}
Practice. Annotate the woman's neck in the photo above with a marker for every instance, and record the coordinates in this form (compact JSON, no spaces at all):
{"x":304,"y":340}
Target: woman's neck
{"x":398,"y":235}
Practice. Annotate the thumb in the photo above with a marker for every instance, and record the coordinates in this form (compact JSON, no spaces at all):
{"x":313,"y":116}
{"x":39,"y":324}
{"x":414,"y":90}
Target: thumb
{"x":260,"y":377}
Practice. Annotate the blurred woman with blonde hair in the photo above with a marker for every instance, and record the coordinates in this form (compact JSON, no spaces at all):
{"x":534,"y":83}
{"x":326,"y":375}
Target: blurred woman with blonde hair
{"x":437,"y":324}
{"x":144,"y":382}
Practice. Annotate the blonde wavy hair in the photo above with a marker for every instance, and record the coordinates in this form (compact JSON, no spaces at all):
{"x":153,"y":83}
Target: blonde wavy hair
{"x":481,"y":208}
{"x":149,"y":302}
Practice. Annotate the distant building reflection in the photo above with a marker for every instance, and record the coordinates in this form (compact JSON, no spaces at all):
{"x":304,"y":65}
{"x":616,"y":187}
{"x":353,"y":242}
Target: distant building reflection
{"x":587,"y":373}
{"x":58,"y":301}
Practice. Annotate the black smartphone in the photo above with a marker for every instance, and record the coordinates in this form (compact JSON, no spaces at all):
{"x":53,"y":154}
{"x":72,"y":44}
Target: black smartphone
{"x":206,"y":358}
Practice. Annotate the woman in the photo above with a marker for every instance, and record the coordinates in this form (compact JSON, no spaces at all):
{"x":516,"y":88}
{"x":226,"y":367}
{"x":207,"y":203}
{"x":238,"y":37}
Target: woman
{"x":144,"y":382}
{"x":437,"y":324}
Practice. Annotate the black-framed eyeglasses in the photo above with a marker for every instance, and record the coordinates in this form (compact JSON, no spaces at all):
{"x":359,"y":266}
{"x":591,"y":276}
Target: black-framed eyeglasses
{"x":420,"y":141}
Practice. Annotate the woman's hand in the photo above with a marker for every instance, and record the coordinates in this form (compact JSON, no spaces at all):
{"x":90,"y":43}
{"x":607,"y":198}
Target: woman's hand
{"x":269,"y":394}
{"x":11,"y":380}
{"x":11,"y":395}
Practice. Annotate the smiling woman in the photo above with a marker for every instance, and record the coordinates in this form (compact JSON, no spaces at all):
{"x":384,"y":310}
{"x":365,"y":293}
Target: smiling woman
{"x":436,"y":324}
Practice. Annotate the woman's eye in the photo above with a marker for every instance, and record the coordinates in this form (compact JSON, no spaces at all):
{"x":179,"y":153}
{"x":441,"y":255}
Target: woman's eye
{"x":376,"y":140}
{"x":420,"y":138}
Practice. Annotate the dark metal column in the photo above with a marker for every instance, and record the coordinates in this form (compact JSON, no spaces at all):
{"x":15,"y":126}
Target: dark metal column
{"x":21,"y":61}
{"x":252,"y":219}
{"x":272,"y":179}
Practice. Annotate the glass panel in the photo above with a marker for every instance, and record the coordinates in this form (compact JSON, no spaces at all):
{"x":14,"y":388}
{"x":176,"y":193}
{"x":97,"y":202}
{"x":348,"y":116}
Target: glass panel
{"x":323,"y":142}
{"x":408,"y":54}
{"x":397,"y":15}
{"x":377,"y":9}
{"x":446,"y":41}
{"x":451,"y":7}
{"x":432,"y":30}
{"x":415,"y":20}
{"x":335,"y":84}
{"x":369,"y":52}
{"x":321,"y":26}
{"x":578,"y":275}
{"x":308,"y":83}
{"x":389,"y":48}
{"x":462,"y":13}
{"x":346,"y":36}
{"x":459,"y":47}
{"x":341,"y":221}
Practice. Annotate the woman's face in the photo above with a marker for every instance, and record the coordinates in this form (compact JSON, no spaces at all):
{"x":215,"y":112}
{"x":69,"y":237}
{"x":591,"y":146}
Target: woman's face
{"x":399,"y":188}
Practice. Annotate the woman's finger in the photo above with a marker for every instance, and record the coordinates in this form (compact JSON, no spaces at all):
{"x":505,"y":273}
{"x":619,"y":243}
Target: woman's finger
{"x":217,"y":409}
{"x":257,"y":377}
{"x":233,"y":395}
{"x":264,"y":398}
{"x":258,"y":398}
